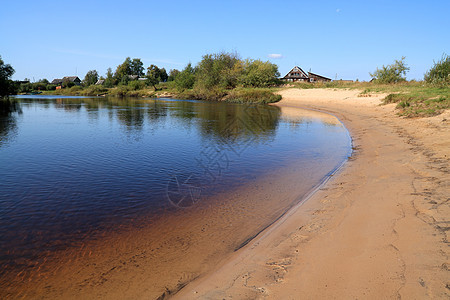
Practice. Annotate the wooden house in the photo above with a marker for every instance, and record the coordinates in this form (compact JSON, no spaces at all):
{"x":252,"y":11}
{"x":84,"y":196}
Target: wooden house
{"x":74,"y":79}
{"x":296,"y":74}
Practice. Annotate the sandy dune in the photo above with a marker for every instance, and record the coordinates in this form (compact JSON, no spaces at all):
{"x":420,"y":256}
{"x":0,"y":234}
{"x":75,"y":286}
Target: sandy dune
{"x":377,"y":230}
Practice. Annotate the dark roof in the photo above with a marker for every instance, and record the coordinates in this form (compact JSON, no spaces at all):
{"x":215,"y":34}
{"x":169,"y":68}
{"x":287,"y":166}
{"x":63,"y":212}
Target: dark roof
{"x":292,"y":74}
{"x":320,"y":76}
{"x":71,"y":78}
{"x":56,"y":81}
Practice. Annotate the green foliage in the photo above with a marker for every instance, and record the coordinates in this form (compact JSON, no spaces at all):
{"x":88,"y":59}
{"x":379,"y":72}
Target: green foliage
{"x":123,"y":70}
{"x":25,"y":88}
{"x":124,"y":80}
{"x":137,"y":67}
{"x":173,"y":73}
{"x":136,"y":85}
{"x":7,"y":86}
{"x":51,"y":87}
{"x":110,"y":81}
{"x":393,"y":73}
{"x":252,"y":95}
{"x":257,"y":73}
{"x":156,"y":75}
{"x":90,"y":78}
{"x":439,"y":74}
{"x":186,"y":78}
{"x":219,"y":70}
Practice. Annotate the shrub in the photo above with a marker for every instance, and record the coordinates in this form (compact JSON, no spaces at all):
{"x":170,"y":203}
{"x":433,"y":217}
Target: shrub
{"x":393,"y":73}
{"x":136,"y":85}
{"x":257,"y":73}
{"x":252,"y":96}
{"x":186,"y":78}
{"x":51,"y":87}
{"x":439,"y":74}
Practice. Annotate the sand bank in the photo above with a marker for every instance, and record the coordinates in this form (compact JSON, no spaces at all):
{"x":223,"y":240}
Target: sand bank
{"x":376,"y":230}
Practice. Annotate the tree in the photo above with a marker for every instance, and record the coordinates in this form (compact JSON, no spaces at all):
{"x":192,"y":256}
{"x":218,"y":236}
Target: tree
{"x":219,"y":70}
{"x":109,"y":80}
{"x":257,"y":73}
{"x":393,"y":73}
{"x":173,"y":73}
{"x":153,"y":75}
{"x":7,"y":86}
{"x":440,"y":72}
{"x":137,"y":67}
{"x":90,"y":78}
{"x":163,"y":75}
{"x":186,"y":78}
{"x":123,"y":69}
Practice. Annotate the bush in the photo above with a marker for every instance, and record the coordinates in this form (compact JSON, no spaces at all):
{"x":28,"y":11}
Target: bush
{"x":439,"y":74}
{"x":260,"y":96}
{"x":392,"y":73}
{"x":136,"y":85}
{"x":51,"y":87}
{"x":257,"y":73}
{"x":185,"y":79}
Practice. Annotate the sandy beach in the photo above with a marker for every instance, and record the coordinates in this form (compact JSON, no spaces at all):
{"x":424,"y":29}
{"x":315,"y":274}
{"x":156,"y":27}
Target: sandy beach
{"x":376,"y":230}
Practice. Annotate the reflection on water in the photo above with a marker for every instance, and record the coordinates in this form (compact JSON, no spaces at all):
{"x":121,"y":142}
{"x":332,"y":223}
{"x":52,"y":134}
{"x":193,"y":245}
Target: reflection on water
{"x":73,"y":168}
{"x":9,"y":112}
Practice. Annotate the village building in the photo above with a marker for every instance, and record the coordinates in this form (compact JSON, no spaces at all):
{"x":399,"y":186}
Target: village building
{"x":297,"y":74}
{"x":74,"y":79}
{"x":100,"y":82}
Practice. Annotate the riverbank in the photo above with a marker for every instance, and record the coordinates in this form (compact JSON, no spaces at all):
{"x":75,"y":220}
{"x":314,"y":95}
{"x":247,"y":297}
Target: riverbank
{"x":377,"y":230}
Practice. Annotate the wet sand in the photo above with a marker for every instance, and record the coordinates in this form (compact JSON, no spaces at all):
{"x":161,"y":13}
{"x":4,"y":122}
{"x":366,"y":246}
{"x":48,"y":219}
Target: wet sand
{"x":376,"y":230}
{"x":159,"y":256}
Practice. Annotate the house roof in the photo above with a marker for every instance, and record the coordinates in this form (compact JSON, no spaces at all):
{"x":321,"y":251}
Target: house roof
{"x":100,"y":81}
{"x":71,"y":78}
{"x":317,"y":75}
{"x":56,"y":81}
{"x":296,"y":73}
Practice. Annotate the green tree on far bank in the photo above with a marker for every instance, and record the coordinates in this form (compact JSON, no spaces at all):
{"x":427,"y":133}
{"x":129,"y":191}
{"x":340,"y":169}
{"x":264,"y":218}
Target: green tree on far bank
{"x":173,"y":73}
{"x":186,"y":78}
{"x":110,"y":81}
{"x":155,"y":75}
{"x":137,"y":67}
{"x":7,"y":86}
{"x":90,"y":78}
{"x":393,"y":73}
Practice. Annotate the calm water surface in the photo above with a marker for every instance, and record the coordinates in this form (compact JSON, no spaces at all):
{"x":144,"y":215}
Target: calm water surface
{"x":74,"y":167}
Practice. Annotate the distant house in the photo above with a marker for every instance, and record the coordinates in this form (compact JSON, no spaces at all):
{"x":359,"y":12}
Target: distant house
{"x":100,"y":82}
{"x":74,"y":79}
{"x":57,"y":81}
{"x":133,"y":77}
{"x":297,"y":74}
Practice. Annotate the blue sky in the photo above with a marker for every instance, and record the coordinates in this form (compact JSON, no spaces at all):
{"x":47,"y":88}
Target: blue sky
{"x":343,"y":39}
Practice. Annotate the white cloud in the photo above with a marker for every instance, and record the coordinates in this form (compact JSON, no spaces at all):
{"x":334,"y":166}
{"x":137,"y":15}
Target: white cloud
{"x":338,"y":10}
{"x":275,"y":55}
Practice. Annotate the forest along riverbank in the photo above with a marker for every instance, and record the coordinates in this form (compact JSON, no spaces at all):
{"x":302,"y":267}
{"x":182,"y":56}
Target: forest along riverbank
{"x":133,"y":243}
{"x":376,"y":230}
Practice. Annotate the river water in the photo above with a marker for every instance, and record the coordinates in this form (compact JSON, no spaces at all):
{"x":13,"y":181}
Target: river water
{"x":78,"y":171}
